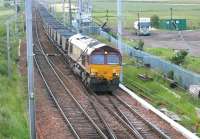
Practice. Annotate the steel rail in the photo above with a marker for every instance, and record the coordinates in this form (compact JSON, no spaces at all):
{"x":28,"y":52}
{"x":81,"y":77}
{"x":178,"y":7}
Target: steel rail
{"x":51,"y":93}
{"x":109,"y":130}
{"x":99,"y":112}
{"x":112,"y":135}
{"x":56,"y":102}
{"x":156,"y":129}
{"x":126,"y":125}
{"x":69,"y":92}
{"x":126,"y":119}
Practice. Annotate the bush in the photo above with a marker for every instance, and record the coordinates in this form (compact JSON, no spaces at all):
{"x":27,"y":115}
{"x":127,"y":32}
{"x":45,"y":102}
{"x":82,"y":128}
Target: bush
{"x":155,"y":21}
{"x":2,"y":30}
{"x":179,"y":57}
{"x":140,"y":45}
{"x":6,"y":5}
{"x":170,"y":75}
{"x":113,"y":34}
{"x":3,"y":68}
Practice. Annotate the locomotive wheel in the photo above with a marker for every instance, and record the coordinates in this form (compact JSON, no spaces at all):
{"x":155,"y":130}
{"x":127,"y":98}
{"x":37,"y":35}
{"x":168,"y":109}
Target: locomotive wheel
{"x":86,"y":82}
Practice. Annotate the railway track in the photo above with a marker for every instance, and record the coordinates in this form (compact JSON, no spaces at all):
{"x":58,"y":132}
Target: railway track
{"x":97,"y":116}
{"x":91,"y":108}
{"x":117,"y":116}
{"x":78,"y":120}
{"x":82,"y":130}
{"x":143,"y":128}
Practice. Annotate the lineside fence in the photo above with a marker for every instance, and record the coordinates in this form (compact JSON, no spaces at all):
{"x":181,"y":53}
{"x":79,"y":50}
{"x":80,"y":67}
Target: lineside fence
{"x":183,"y":77}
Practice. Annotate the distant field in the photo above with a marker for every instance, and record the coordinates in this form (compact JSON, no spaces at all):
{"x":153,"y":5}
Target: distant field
{"x":181,"y":9}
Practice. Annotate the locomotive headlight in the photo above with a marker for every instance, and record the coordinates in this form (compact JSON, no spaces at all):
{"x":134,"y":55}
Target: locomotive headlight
{"x":93,"y":74}
{"x":115,"y":74}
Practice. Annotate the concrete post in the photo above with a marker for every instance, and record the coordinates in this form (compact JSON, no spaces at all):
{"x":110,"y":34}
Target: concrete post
{"x":8,"y":49}
{"x":70,"y":12}
{"x":29,"y":41}
{"x":119,"y":32}
{"x":63,"y":10}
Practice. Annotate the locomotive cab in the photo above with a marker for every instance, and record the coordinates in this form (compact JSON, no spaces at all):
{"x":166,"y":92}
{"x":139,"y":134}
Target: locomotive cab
{"x":104,"y":67}
{"x":96,"y":63}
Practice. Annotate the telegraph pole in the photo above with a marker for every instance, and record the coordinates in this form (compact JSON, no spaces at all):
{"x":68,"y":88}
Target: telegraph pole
{"x":138,"y":22}
{"x":119,"y":32}
{"x":8,"y":49}
{"x":17,"y":10}
{"x":70,"y":13}
{"x":63,"y":10}
{"x":29,"y":42}
{"x":80,"y":10}
{"x":171,"y":13}
{"x":54,"y":3}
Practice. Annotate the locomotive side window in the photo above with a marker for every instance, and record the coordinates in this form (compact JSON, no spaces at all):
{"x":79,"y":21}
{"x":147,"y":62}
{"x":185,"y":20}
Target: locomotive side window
{"x":71,"y":48}
{"x":97,"y":59}
{"x":83,"y":60}
{"x":66,"y":45}
{"x":112,"y":59}
{"x":60,"y":40}
{"x":56,"y":36}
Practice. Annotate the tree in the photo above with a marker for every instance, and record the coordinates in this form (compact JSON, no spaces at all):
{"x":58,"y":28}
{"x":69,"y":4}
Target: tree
{"x":179,"y":57}
{"x":140,"y":45}
{"x":155,"y":21}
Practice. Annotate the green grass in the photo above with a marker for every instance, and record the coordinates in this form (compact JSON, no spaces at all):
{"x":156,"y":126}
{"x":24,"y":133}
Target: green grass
{"x":13,"y":117}
{"x":191,"y":63}
{"x":159,"y":94}
{"x":165,"y":53}
{"x":13,"y":114}
{"x":147,"y":9}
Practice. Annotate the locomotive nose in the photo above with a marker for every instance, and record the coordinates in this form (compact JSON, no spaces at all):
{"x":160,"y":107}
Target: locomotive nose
{"x":105,"y":71}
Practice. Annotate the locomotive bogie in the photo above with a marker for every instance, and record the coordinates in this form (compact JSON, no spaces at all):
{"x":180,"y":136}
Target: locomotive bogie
{"x":103,"y":85}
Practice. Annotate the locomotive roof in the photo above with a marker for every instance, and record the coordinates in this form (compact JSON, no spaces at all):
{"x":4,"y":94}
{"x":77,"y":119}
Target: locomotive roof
{"x":86,"y":43}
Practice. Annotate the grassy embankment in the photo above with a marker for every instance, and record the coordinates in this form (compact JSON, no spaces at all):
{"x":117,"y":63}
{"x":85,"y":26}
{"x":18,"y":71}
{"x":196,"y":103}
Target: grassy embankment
{"x":159,"y":94}
{"x":13,"y":114}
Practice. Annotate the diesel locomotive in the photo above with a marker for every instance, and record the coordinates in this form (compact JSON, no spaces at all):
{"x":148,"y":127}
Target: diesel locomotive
{"x":97,"y":64}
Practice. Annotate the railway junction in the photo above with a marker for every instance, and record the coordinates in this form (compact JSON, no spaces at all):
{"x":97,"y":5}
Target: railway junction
{"x":65,"y":108}
{"x":75,"y":87}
